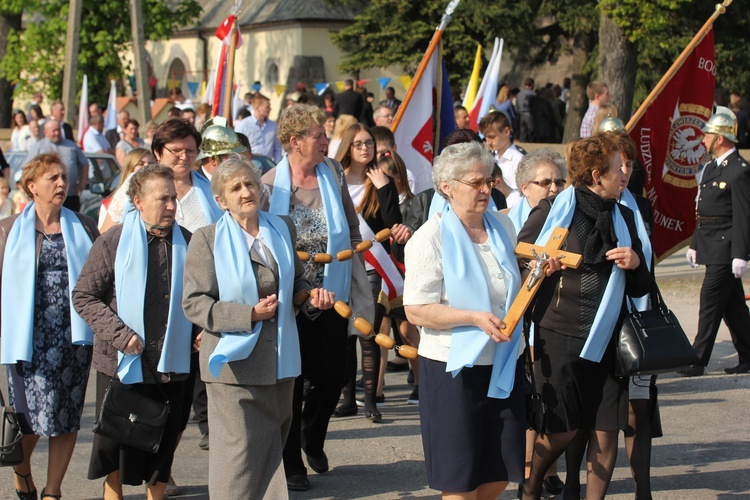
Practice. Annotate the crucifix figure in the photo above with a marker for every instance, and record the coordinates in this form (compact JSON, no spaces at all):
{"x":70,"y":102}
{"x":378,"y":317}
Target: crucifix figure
{"x":541,"y":256}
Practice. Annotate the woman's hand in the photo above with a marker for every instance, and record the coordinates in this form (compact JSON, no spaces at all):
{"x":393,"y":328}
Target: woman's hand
{"x":265,"y":308}
{"x":554,"y":266}
{"x":624,"y":257}
{"x":198,"y":340}
{"x":400,"y":233}
{"x":378,"y":177}
{"x":490,"y":324}
{"x":135,"y":346}
{"x":321,"y":298}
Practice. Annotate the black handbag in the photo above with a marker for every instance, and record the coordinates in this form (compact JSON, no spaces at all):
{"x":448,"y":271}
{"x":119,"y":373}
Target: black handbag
{"x":535,"y":407}
{"x":131,"y":418}
{"x":652,"y":341}
{"x":11,"y":449}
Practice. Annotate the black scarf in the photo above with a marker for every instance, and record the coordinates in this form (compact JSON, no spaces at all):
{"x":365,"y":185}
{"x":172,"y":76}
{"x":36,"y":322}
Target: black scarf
{"x":601,"y":238}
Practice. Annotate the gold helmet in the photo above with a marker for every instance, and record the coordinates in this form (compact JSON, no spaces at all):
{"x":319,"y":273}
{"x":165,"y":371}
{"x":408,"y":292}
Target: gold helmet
{"x":723,"y":123}
{"x":216,"y":120}
{"x":219,"y":140}
{"x":611,"y":124}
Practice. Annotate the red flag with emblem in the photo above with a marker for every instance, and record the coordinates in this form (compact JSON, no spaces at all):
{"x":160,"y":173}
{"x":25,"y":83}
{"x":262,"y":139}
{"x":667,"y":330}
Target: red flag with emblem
{"x":668,"y":139}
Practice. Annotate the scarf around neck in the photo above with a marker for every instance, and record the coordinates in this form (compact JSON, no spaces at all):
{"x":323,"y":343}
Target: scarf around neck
{"x":467,"y":288}
{"x":19,"y":283}
{"x":519,"y":213}
{"x":131,"y":271}
{"x":237,"y":283}
{"x":337,"y":276}
{"x":561,"y":215}
{"x":602,"y":238}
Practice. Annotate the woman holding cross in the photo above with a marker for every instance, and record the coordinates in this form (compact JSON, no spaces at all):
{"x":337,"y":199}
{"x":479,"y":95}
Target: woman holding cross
{"x":577,"y":311}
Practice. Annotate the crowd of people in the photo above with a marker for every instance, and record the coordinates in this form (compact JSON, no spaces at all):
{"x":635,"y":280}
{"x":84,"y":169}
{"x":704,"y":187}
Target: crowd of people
{"x":192,"y":288}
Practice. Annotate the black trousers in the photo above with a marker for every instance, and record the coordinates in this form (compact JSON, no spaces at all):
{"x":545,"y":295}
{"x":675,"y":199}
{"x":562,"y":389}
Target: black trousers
{"x":323,"y":345}
{"x":722,"y":297}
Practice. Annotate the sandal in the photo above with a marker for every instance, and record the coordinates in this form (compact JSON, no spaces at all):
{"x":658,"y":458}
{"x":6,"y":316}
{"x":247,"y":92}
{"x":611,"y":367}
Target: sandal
{"x":25,"y":495}
{"x":49,"y":495}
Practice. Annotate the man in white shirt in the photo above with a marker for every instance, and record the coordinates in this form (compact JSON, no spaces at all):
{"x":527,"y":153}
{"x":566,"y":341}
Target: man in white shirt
{"x":260,"y":130}
{"x":497,"y":131}
{"x":94,"y":140}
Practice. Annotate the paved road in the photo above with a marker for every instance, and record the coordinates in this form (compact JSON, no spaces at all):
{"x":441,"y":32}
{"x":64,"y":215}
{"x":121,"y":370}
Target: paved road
{"x":704,"y":454}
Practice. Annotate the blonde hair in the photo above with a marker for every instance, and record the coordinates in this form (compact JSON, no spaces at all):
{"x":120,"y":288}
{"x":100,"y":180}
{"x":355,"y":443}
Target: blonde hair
{"x":603,"y":112}
{"x":296,"y":121}
{"x":343,"y":122}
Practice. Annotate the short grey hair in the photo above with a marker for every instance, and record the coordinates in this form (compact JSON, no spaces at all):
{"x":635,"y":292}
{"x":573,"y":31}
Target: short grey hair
{"x":530,"y":162}
{"x":229,"y":169}
{"x":458,"y":159}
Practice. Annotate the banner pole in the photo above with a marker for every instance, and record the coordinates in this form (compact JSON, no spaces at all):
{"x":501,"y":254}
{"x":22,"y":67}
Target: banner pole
{"x":721,"y":8}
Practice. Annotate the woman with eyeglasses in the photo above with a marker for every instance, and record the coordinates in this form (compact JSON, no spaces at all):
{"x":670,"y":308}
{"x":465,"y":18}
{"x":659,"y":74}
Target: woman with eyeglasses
{"x":375,"y":197}
{"x":540,"y":174}
{"x":113,"y":207}
{"x":577,"y":311}
{"x":461,"y":278}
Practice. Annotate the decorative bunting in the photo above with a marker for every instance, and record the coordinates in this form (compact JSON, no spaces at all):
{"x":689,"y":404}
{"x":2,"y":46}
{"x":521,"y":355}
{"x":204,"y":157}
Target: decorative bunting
{"x":321,"y":87}
{"x":384,"y":80}
{"x":279,"y":89}
{"x":152,"y":82}
{"x":340,"y":86}
{"x":362,"y":83}
{"x":173,"y":84}
{"x":256,"y":87}
{"x":193,"y":87}
{"x":405,"y":81}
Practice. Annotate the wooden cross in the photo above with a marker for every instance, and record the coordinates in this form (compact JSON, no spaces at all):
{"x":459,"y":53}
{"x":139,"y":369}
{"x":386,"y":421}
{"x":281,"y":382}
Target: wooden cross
{"x":532,"y":283}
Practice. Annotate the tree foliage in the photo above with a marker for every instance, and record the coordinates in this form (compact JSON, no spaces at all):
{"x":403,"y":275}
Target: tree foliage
{"x":35,"y":56}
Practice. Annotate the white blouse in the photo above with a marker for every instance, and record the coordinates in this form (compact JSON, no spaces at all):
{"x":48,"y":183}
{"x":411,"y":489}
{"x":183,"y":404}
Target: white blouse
{"x":190,"y":213}
{"x":424,"y":284}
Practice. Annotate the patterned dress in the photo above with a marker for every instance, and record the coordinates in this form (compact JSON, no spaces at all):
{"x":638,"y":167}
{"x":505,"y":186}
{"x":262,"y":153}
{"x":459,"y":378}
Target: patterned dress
{"x":48,"y":392}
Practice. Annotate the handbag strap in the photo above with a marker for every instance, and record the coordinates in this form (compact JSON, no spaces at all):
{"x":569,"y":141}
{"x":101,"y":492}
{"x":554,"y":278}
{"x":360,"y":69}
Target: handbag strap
{"x":530,"y":362}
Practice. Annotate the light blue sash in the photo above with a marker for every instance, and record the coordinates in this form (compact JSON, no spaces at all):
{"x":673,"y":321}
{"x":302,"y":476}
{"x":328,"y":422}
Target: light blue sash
{"x":440,"y":204}
{"x":236,"y":279}
{"x":467,"y":288}
{"x":561,"y":215}
{"x":19,"y":283}
{"x":337,"y":276}
{"x":519,"y":213}
{"x":627,"y":199}
{"x":131,"y":270}
{"x":202,"y":186}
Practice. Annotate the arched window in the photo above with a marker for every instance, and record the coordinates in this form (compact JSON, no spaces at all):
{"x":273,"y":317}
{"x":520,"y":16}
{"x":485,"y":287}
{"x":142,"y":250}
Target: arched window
{"x":175,"y":76}
{"x":272,"y":75}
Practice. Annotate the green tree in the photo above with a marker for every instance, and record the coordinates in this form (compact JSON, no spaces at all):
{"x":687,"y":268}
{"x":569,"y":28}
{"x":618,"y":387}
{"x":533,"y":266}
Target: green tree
{"x":35,"y":55}
{"x":10,"y":20}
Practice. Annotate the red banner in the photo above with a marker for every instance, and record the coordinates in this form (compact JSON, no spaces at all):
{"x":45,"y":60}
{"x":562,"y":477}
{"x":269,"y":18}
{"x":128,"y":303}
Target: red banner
{"x":668,"y":137}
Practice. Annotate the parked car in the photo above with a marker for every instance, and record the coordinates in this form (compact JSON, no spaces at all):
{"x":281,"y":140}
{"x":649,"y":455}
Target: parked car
{"x":102,"y":169}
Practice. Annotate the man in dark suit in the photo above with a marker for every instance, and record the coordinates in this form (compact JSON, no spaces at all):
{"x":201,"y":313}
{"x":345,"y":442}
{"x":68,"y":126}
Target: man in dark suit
{"x":57,"y":111}
{"x":349,"y":102}
{"x":390,"y":99}
{"x":721,"y":242}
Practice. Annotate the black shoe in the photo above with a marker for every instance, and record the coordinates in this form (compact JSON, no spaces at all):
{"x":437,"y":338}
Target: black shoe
{"x":374,"y":416}
{"x":28,"y":494}
{"x":692,"y":371}
{"x":410,"y":377}
{"x":297,"y":482}
{"x":203,"y":443}
{"x":553,"y":485}
{"x":319,"y":464}
{"x":342,"y":411}
{"x":379,"y":401}
{"x":741,"y":368}
{"x":414,"y":396}
{"x":396,"y":367}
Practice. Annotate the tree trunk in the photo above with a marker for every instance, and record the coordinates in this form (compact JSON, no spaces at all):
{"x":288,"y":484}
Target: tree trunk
{"x":578,"y":103}
{"x":618,"y":59}
{"x":7,"y":22}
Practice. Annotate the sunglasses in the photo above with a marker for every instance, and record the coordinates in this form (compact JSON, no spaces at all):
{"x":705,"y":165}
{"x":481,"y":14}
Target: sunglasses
{"x":546,"y":183}
{"x":478,"y":184}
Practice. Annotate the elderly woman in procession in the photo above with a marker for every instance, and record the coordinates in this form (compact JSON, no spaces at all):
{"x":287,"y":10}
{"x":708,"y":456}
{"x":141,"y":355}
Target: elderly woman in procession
{"x":472,"y":424}
{"x":45,"y":344}
{"x":312,"y":191}
{"x":577,"y":311}
{"x":130,"y":293}
{"x":250,"y":351}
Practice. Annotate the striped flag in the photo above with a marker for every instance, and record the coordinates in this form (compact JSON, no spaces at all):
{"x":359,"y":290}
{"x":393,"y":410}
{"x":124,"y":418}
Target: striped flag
{"x":471,"y":89}
{"x":110,"y":122}
{"x":488,"y":89}
{"x":83,"y":111}
{"x":223,"y":33}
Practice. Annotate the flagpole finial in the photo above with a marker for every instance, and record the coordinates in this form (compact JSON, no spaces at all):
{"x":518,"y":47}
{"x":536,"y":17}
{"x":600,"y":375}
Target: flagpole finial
{"x":447,"y":16}
{"x":722,"y":7}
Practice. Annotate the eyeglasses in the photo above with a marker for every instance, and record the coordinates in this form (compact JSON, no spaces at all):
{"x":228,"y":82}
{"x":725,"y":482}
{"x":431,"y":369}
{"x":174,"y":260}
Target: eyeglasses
{"x":180,"y":152}
{"x":478,"y":184}
{"x":546,"y":183}
{"x":369,"y":143}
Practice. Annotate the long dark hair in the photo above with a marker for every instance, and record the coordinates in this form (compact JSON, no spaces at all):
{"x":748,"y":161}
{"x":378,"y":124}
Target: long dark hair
{"x":370,"y":205}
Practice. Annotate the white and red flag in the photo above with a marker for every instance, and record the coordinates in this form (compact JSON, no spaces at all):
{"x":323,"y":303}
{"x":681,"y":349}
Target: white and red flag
{"x":83,"y":111}
{"x":223,"y":33}
{"x":488,"y":88}
{"x":668,"y":139}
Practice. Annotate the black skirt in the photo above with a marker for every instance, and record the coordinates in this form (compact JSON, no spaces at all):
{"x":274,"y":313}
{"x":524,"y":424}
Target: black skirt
{"x":137,"y":466}
{"x":577,"y":393}
{"x":468,"y":438}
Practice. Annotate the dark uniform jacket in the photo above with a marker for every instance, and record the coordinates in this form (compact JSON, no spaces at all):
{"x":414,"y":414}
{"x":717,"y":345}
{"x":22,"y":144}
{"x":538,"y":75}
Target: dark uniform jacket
{"x":724,"y":200}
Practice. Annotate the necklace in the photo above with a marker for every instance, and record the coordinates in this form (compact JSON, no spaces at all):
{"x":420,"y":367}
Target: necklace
{"x":47,"y":236}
